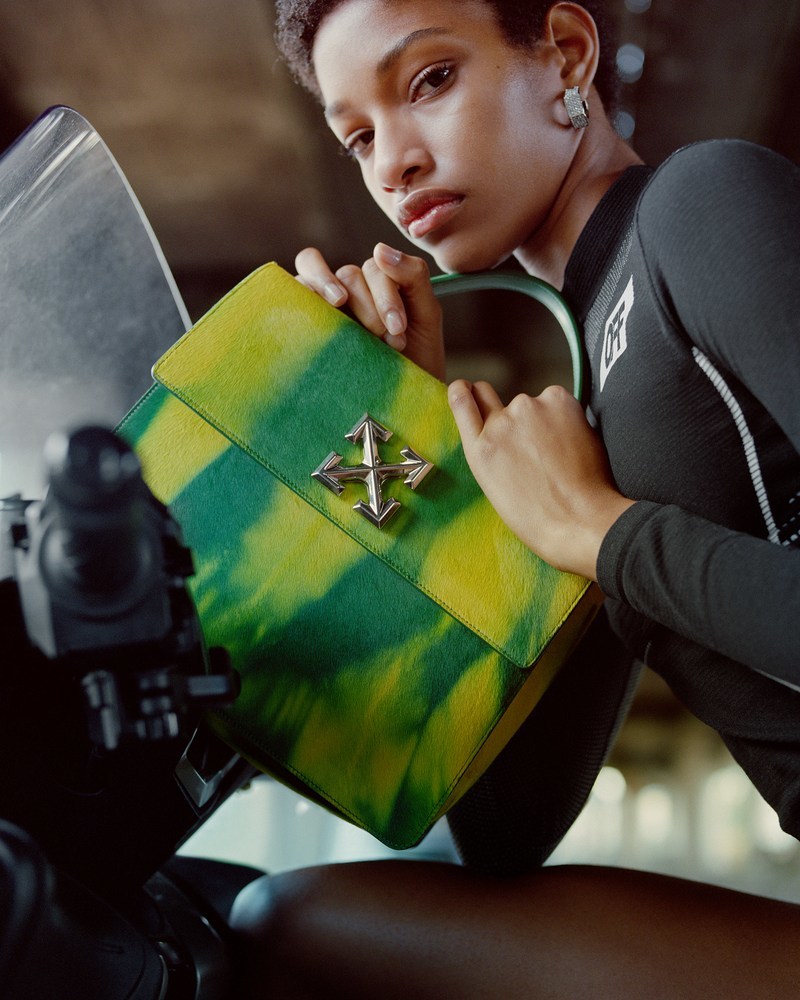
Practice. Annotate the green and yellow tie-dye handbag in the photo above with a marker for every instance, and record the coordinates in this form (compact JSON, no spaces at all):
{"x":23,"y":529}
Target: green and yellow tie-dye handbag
{"x":387,"y":652}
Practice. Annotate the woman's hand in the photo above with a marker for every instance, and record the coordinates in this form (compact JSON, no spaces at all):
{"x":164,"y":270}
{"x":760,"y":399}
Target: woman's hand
{"x":390,"y":294}
{"x":543,"y":469}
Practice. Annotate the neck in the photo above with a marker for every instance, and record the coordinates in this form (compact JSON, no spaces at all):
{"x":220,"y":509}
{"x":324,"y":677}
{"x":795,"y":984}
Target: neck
{"x":602,"y":156}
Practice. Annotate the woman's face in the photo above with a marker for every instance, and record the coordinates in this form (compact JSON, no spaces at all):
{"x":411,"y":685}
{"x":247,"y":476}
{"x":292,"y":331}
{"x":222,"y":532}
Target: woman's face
{"x":456,"y":132}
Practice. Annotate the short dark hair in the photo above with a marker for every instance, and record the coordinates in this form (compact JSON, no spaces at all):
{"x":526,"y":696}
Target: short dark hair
{"x":297,"y":23}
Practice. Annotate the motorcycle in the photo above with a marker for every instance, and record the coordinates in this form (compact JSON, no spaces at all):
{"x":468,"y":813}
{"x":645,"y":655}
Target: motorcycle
{"x":108,"y":764}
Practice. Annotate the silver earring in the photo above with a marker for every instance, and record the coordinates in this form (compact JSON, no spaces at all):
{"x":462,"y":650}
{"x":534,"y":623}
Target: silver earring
{"x":577,"y":108}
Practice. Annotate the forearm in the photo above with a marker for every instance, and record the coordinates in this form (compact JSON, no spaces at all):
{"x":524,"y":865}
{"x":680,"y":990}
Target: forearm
{"x":730,"y":592}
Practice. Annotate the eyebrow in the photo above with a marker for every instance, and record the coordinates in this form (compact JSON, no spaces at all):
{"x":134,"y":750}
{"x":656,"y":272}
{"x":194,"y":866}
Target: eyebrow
{"x":387,"y":61}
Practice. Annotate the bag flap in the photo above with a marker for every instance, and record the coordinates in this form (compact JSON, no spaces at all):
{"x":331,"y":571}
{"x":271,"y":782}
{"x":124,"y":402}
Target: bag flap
{"x":285,"y":376}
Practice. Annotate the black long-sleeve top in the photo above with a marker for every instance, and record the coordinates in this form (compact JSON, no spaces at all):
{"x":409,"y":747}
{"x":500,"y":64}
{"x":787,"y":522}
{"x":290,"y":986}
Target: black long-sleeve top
{"x":687,"y":283}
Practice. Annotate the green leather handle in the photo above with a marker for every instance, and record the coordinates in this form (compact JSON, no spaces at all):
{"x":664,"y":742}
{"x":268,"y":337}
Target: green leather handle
{"x":450,"y":284}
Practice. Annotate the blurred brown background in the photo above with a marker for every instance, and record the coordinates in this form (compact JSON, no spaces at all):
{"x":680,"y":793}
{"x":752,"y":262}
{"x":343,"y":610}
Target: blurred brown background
{"x":233,"y":164}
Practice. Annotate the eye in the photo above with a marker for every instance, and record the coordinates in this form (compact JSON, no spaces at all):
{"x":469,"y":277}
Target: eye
{"x":432,"y":80}
{"x":357,"y":144}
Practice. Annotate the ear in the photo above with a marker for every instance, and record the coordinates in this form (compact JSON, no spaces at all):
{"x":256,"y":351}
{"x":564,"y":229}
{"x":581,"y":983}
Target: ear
{"x":571,"y":29}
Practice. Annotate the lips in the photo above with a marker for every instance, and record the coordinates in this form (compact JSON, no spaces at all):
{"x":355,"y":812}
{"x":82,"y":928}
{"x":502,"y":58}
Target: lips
{"x":423,"y":212}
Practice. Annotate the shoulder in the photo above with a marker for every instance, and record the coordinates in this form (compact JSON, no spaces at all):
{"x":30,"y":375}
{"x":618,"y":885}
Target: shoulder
{"x":717,"y":180}
{"x":714,"y":202}
{"x":721,"y":157}
{"x":717,"y":229}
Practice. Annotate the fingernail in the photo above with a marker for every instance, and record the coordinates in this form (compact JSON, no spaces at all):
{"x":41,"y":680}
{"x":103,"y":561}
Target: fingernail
{"x":394,"y":323}
{"x":333,"y":293}
{"x":396,"y":340}
{"x":390,"y":255}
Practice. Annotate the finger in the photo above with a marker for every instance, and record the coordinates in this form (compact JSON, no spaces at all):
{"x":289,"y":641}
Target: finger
{"x":361,"y":299}
{"x":313,"y":272}
{"x":486,"y":399}
{"x":466,"y":412}
{"x":386,"y":295}
{"x":412,"y":275}
{"x":558,"y":396}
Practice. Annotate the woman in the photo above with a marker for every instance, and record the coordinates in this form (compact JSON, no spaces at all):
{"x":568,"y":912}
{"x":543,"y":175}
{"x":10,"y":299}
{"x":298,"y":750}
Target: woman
{"x":468,"y":121}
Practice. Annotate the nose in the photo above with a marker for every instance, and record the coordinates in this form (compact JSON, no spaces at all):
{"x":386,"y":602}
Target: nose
{"x":399,"y":157}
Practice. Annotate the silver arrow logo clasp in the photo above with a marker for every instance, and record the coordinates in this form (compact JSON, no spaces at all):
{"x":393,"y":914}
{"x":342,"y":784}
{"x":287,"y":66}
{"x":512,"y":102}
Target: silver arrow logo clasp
{"x":372,"y":471}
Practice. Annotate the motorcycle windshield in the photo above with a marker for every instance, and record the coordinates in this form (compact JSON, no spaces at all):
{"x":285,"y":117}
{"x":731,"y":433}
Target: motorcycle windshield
{"x":88,"y":301}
